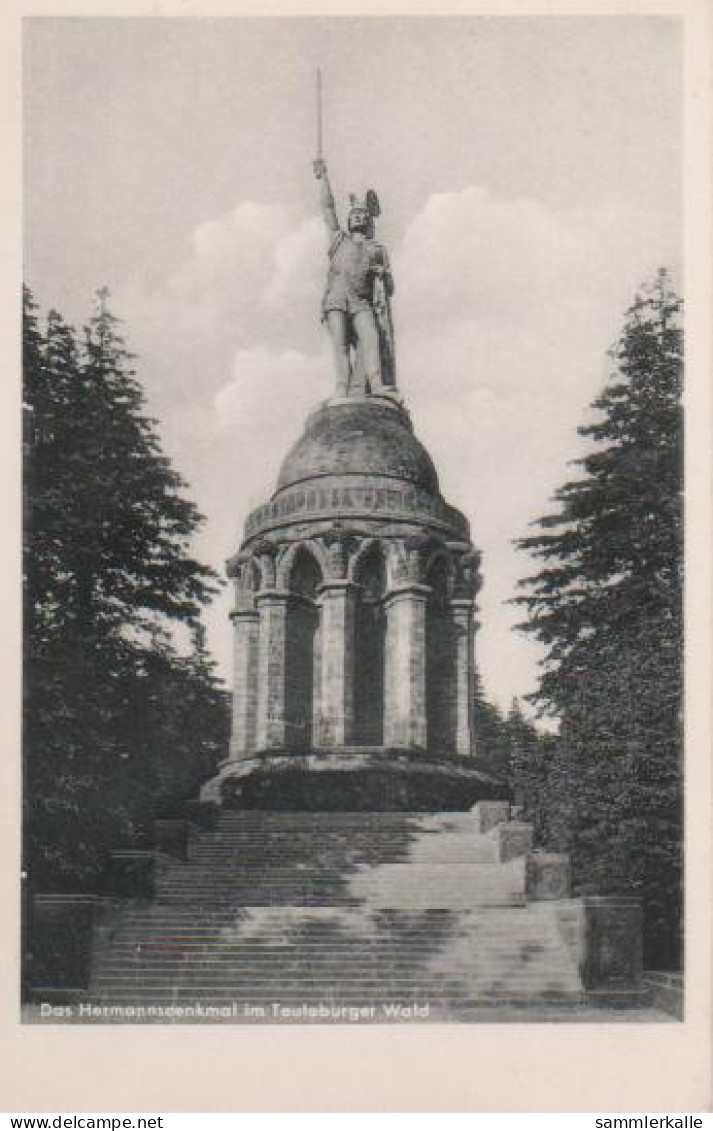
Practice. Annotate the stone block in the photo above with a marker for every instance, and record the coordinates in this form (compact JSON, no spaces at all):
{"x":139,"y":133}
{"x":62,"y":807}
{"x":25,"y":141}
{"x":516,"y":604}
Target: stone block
{"x":547,"y":876}
{"x":173,"y":837}
{"x":512,"y":840}
{"x":488,"y":814}
{"x":131,"y":873}
{"x":59,"y":940}
{"x":613,"y":943}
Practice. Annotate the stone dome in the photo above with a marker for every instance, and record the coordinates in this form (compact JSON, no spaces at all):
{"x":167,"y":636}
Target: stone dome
{"x":369,"y":436}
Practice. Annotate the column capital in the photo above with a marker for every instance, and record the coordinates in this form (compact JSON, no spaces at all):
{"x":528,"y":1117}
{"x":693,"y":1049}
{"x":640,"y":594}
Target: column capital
{"x":412,"y":589}
{"x":336,"y":585}
{"x":243,"y":614}
{"x":272,"y":596}
{"x":462,"y":605}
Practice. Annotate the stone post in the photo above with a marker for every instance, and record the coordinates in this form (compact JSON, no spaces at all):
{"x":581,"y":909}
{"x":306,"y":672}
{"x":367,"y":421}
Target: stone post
{"x":336,"y":665}
{"x":405,"y":675}
{"x":272,"y":611}
{"x":243,"y":735}
{"x":462,"y":619}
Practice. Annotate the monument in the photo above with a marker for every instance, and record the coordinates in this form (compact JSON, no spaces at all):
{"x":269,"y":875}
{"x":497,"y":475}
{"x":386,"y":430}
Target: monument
{"x":327,"y":874}
{"x":355,"y":586}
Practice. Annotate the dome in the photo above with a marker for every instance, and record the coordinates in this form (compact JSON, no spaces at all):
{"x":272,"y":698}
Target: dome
{"x":368,"y":436}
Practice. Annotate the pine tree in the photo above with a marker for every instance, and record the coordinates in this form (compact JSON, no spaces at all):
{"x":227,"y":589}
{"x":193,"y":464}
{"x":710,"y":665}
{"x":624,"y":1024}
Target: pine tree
{"x":118,"y":722}
{"x":608,"y":606}
{"x":490,"y":731}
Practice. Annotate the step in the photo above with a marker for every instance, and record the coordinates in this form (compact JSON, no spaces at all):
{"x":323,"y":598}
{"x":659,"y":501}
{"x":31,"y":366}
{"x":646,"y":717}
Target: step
{"x":550,"y":981}
{"x":460,"y":996}
{"x":344,"y":907}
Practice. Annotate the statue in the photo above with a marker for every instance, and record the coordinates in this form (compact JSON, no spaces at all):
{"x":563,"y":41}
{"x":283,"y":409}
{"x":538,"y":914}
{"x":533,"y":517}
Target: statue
{"x":356,"y":307}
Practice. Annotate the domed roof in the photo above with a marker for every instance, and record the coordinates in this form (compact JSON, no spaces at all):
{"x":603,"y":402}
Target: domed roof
{"x":364,"y":437}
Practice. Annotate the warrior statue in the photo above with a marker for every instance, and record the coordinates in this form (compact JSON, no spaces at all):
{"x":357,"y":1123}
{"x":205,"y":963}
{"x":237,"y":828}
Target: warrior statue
{"x":356,"y":304}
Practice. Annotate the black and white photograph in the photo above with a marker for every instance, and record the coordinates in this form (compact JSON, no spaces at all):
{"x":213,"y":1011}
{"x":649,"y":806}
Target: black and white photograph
{"x":353,"y":523}
{"x":357,"y":460}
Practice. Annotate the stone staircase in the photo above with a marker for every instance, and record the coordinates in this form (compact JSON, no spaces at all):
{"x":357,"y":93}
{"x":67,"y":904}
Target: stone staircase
{"x":331,"y":910}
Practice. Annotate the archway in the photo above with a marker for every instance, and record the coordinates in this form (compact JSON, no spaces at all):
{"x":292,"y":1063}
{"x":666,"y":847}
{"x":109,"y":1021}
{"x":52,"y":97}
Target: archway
{"x":441,"y":687}
{"x":302,"y":649}
{"x":369,"y":648}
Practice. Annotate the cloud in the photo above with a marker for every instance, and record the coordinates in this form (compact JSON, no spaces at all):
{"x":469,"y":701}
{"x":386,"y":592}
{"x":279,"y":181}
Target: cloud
{"x":297,"y":259}
{"x":263,"y":406}
{"x":250,"y":277}
{"x":470,"y":255}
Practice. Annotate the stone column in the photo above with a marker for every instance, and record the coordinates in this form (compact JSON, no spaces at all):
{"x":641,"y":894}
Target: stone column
{"x":405,"y":675}
{"x":336,"y":666}
{"x":461,"y":611}
{"x":243,"y":735}
{"x":271,"y":728}
{"x":317,"y":683}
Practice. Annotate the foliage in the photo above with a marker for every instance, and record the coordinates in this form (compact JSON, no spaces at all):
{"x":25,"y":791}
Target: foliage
{"x":607,"y":603}
{"x":117,"y":722}
{"x":515,"y":748}
{"x":490,"y":729}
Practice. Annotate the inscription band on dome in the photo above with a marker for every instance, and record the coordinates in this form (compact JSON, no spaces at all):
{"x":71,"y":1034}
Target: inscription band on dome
{"x":388,"y":502}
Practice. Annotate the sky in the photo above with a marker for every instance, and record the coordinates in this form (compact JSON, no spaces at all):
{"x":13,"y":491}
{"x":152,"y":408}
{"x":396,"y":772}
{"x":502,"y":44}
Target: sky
{"x":529,"y":173}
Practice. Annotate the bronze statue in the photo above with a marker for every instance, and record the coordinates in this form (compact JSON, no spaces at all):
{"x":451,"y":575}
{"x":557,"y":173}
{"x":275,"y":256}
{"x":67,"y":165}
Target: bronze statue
{"x":356,"y":305}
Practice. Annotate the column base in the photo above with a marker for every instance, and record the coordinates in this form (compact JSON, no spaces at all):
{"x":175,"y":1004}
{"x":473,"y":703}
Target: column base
{"x":349,"y":779}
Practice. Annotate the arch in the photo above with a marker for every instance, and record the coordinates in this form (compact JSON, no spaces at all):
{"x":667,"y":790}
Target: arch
{"x":439,"y":573}
{"x":369,"y":571}
{"x":441,"y":685}
{"x":357,"y":558}
{"x":306,"y":575}
{"x":286,"y":561}
{"x":370,"y":575}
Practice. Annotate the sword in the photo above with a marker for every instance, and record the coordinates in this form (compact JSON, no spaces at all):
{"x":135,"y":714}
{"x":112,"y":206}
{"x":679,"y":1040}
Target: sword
{"x":319,"y":115}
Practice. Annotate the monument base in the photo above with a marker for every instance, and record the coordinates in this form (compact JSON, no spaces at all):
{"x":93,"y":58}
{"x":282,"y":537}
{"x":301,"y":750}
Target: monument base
{"x":353,"y":780}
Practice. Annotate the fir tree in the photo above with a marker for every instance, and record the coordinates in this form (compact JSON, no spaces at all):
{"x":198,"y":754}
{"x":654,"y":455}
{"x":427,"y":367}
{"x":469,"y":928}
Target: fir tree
{"x":608,"y":606}
{"x":117,"y":722}
{"x":491,"y":736}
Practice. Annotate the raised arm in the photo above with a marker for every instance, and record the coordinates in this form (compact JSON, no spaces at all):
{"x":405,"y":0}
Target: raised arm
{"x":325,"y":196}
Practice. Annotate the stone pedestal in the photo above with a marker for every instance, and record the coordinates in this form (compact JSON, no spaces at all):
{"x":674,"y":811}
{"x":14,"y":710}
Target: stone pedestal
{"x":512,"y":840}
{"x":488,"y":814}
{"x":547,"y":876}
{"x":271,"y":730}
{"x":336,"y":664}
{"x":355,"y":585}
{"x":405,"y":676}
{"x":613,"y":933}
{"x":246,"y":628}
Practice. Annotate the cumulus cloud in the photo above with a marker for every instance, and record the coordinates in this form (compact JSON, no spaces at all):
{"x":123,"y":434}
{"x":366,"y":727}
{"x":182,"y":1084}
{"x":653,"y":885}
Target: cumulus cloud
{"x":296,"y":263}
{"x":251,"y":276}
{"x":262,"y":407}
{"x":470,"y":255}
